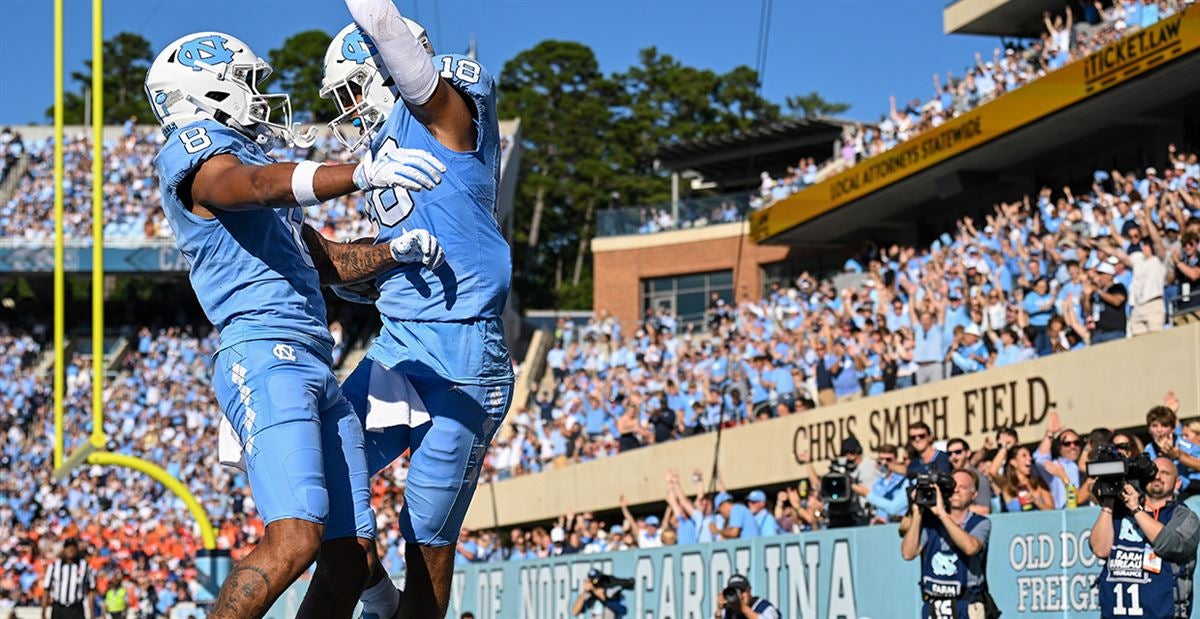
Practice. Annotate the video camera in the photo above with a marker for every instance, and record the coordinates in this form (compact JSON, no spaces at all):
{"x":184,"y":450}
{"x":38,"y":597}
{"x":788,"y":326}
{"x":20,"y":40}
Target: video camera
{"x":1112,"y":471}
{"x":927,"y":485}
{"x":607,"y":581}
{"x":835,"y":485}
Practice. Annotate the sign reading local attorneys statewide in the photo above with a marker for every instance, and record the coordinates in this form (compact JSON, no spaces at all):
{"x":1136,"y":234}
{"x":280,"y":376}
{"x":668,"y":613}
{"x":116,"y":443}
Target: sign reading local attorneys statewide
{"x":1133,"y":55}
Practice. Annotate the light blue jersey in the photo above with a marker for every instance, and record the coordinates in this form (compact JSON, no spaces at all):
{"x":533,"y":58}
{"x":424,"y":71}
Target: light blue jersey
{"x":250,"y":269}
{"x":303,"y":444}
{"x":446,"y":322}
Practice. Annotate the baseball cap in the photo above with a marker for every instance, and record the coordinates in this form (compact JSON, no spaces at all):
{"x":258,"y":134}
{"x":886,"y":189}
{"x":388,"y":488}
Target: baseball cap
{"x":739,"y":582}
{"x":1106,"y":268}
{"x":757,"y":496}
{"x":1151,"y":171}
{"x":652,"y":521}
{"x":721,"y":497}
{"x":1172,"y":225}
{"x":851,"y":446}
{"x":615,"y":529}
{"x":972,"y":329}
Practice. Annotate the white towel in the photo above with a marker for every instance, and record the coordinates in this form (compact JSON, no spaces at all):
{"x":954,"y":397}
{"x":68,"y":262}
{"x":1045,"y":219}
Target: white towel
{"x":393,"y":401}
{"x":229,"y":446}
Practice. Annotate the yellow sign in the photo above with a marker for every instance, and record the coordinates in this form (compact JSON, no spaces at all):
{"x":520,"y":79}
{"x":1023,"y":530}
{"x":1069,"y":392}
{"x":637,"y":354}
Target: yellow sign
{"x":1133,"y":55}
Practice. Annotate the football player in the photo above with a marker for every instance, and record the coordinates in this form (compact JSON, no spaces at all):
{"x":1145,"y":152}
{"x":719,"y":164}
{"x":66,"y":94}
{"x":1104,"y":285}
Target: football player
{"x":257,"y":270}
{"x":442,"y":344}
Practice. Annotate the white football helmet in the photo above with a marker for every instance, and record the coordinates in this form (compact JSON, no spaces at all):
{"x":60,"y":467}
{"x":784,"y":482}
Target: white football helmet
{"x":360,"y":90}
{"x":214,"y":75}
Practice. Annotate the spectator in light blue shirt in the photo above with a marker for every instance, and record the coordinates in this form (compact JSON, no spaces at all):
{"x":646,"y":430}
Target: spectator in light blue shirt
{"x":929,"y":352}
{"x":889,"y":494}
{"x":767,"y":525}
{"x":733,"y":520}
{"x":1007,"y":350}
{"x":968,"y":354}
{"x":845,"y":373}
{"x":1039,"y":305}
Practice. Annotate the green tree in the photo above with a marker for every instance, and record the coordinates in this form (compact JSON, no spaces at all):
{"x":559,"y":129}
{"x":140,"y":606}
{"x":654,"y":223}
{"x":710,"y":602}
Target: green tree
{"x":564,"y":99}
{"x":813,"y":105}
{"x":590,"y":140}
{"x":127,"y":57}
{"x":297,"y":70}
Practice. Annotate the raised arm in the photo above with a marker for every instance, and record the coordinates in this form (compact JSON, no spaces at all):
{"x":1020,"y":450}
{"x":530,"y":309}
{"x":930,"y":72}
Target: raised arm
{"x":432,"y":100}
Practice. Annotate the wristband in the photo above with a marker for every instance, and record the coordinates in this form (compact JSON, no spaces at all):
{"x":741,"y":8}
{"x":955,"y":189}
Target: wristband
{"x":302,"y":183}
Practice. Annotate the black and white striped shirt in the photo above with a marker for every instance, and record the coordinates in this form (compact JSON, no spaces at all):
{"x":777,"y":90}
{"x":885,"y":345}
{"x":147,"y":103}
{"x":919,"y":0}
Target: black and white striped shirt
{"x":69,"y":583}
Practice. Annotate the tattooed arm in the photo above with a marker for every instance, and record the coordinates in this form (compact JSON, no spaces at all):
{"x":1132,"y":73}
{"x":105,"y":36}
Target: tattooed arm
{"x":347,"y":263}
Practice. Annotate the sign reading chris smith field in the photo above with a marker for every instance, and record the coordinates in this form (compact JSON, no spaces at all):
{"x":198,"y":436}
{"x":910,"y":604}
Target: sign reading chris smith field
{"x":1111,"y":385}
{"x":971,"y":411}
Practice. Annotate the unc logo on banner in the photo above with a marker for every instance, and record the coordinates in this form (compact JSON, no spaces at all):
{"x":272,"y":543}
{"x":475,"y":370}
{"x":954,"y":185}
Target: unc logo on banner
{"x":354,"y":47}
{"x":209,"y":50}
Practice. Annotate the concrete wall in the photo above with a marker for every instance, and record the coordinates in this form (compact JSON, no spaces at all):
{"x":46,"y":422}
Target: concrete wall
{"x":1111,"y":385}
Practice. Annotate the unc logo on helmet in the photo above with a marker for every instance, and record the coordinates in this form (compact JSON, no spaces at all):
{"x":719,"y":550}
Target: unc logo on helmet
{"x":209,"y":50}
{"x":355,"y":47}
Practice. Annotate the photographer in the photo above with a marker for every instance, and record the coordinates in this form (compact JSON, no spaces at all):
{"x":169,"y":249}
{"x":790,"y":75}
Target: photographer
{"x":739,"y":603}
{"x":603,"y":589}
{"x":952,"y":544}
{"x":1150,"y":561}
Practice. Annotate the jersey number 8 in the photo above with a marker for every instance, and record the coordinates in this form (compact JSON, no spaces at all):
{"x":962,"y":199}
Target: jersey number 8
{"x":195,"y":140}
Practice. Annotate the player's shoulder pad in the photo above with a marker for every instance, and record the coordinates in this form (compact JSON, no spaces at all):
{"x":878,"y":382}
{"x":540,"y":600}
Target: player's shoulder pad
{"x":467,"y":75}
{"x":191,"y":145}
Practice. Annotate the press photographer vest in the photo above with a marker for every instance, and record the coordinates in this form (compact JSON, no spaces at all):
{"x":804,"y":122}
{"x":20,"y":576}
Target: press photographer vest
{"x":944,"y":568}
{"x":1135,"y":581}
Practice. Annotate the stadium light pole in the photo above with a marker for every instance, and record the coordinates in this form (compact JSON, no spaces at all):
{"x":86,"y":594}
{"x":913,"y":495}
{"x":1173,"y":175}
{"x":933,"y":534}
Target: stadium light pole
{"x":92,"y":451}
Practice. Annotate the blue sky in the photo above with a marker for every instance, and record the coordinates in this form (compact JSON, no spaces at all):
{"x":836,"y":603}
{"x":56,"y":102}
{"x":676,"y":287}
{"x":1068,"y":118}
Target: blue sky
{"x":855,"y":51}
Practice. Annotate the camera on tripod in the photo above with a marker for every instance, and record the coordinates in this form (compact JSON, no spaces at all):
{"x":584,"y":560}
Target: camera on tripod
{"x":926,"y":487}
{"x":1112,"y":471}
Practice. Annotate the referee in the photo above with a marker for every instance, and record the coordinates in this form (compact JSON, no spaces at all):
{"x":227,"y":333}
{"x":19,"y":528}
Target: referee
{"x":69,"y":584}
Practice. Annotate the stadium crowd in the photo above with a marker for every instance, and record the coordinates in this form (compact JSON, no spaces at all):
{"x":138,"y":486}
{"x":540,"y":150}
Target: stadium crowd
{"x":160,"y":408}
{"x":1067,"y":37}
{"x":1047,"y":474}
{"x":131,"y":188}
{"x":1045,"y":274}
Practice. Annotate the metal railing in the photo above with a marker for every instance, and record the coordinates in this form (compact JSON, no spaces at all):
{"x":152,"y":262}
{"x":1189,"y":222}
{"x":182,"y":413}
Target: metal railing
{"x":692,"y":213}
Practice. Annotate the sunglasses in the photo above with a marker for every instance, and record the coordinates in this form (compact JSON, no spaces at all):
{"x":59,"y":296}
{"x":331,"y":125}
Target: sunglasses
{"x":885,"y":460}
{"x":1074,"y":443}
{"x":1122,"y":446}
{"x":918,"y":437}
{"x":957,"y":452}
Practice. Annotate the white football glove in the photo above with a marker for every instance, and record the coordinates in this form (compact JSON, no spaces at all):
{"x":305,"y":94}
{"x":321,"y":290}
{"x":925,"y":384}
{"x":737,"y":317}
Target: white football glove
{"x":409,"y":168}
{"x":418,"y":246}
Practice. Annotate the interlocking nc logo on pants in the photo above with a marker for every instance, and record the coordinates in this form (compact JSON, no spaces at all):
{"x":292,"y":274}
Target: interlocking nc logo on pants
{"x":283,"y":352}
